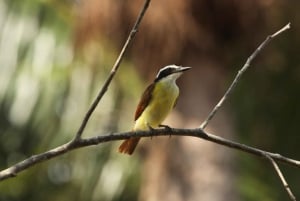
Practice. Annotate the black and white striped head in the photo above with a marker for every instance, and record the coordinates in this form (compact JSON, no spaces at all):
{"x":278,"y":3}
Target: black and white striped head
{"x":171,"y":72}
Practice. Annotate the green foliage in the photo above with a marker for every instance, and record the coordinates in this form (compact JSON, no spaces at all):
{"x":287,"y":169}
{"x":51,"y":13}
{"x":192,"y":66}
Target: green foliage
{"x":44,"y":94}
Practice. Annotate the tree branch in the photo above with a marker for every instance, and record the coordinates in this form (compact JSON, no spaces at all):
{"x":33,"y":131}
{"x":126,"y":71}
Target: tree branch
{"x":241,"y":72}
{"x":232,"y":87}
{"x":112,"y":72}
{"x":281,"y":177}
{"x":80,"y":143}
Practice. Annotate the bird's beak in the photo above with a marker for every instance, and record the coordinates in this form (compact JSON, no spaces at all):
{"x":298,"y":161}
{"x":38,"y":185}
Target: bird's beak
{"x":181,"y":69}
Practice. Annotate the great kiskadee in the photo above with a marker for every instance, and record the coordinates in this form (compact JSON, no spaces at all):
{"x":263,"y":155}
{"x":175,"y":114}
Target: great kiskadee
{"x":157,"y":101}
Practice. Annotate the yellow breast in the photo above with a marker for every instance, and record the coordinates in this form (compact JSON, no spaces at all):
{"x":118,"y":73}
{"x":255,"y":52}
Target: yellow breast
{"x":164,"y":96}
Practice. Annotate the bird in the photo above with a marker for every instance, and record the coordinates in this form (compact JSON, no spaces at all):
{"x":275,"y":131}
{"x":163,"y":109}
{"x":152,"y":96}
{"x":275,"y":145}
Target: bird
{"x":156,"y":103}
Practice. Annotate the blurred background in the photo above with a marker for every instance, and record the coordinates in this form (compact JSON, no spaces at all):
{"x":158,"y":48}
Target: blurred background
{"x":56,"y":54}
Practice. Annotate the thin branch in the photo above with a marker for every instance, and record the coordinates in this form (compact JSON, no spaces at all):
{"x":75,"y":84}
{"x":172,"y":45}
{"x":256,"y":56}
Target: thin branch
{"x":112,"y":72}
{"x":80,"y":143}
{"x":241,"y":72}
{"x":282,"y":179}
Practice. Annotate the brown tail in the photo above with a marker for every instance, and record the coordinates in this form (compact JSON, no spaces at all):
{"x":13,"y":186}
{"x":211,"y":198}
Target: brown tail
{"x":128,"y":146}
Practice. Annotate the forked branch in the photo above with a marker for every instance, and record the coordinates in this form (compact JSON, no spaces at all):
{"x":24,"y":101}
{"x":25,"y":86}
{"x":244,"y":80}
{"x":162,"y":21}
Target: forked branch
{"x":241,"y":72}
{"x":281,"y":177}
{"x":233,"y":85}
{"x":112,"y":72}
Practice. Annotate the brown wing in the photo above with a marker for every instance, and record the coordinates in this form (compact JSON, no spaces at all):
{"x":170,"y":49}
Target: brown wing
{"x":144,"y":101}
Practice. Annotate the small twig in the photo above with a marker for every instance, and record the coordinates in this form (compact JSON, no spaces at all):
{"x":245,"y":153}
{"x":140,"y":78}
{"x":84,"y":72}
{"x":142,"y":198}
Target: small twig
{"x":280,"y":175}
{"x":240,"y":73}
{"x":112,"y":72}
{"x":80,"y":143}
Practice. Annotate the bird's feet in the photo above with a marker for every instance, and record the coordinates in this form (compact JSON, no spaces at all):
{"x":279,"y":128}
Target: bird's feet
{"x":166,"y":127}
{"x":151,"y":129}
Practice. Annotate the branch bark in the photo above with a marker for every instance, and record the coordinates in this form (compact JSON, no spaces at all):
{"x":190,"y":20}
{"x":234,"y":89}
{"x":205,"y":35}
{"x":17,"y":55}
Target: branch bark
{"x":80,"y":143}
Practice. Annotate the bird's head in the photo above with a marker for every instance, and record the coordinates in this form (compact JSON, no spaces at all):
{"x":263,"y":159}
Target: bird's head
{"x":170,"y":72}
